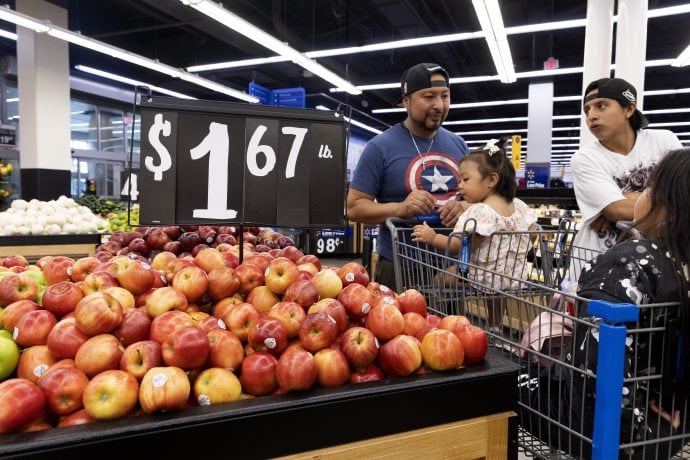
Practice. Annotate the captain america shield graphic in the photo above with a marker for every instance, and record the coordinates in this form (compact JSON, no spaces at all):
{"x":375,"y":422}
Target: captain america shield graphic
{"x":436,"y":173}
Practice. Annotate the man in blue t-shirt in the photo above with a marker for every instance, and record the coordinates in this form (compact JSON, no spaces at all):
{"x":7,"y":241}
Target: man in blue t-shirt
{"x":411,"y":168}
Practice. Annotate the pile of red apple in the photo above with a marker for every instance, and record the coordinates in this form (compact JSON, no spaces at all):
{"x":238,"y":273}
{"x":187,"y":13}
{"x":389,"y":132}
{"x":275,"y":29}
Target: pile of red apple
{"x":145,"y":242}
{"x":103,"y":340}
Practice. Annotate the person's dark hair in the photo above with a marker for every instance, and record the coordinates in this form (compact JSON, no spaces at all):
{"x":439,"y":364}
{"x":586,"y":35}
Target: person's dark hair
{"x":492,"y":158}
{"x":638,"y":121}
{"x":670,"y":191}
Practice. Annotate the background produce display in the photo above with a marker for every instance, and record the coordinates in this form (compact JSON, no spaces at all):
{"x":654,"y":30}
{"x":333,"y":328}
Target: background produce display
{"x":54,"y":217}
{"x":149,"y":330}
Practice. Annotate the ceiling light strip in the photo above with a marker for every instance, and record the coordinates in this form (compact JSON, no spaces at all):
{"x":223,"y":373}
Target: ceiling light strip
{"x":129,"y":81}
{"x":23,"y":20}
{"x":232,"y":21}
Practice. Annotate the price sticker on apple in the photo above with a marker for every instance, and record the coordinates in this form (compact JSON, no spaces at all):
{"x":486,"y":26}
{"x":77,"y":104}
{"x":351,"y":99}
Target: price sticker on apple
{"x":231,"y":163}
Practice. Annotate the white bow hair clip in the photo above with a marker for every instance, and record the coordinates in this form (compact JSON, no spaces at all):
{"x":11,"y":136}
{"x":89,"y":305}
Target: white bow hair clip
{"x":491,"y":147}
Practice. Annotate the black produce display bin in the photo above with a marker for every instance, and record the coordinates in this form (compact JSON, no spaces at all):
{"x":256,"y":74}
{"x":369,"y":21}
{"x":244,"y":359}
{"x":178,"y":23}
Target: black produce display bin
{"x":291,"y":423}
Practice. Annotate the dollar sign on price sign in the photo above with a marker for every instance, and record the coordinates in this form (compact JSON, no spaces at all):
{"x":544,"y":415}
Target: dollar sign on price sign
{"x":159,"y":127}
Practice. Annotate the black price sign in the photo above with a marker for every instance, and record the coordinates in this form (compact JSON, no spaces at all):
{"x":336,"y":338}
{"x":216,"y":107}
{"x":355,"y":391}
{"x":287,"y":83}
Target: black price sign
{"x":205,"y":162}
{"x":331,"y":241}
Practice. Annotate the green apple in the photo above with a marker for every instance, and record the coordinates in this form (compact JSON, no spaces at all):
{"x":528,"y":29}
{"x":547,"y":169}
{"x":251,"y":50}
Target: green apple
{"x":9,"y":357}
{"x":5,"y":334}
{"x":37,"y":275}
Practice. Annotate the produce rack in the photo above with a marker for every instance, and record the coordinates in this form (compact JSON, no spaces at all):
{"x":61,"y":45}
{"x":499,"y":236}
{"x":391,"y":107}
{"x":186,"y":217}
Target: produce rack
{"x":33,"y":247}
{"x":475,"y":404}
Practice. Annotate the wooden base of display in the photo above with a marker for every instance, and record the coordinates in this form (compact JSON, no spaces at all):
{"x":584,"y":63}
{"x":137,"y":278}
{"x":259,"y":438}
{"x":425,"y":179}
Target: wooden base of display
{"x":481,"y":437}
{"x":34,"y":247}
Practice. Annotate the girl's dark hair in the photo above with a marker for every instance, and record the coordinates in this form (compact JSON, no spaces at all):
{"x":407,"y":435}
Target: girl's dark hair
{"x":670,"y":191}
{"x":496,"y":162}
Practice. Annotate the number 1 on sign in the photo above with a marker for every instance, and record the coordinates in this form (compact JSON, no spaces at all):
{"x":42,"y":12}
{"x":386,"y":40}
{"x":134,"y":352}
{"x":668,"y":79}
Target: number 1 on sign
{"x":217,"y":145}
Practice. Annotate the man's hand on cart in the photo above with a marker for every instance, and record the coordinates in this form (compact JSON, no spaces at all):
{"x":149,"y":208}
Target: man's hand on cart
{"x":423,"y":233}
{"x":450,"y":212}
{"x":417,"y":202}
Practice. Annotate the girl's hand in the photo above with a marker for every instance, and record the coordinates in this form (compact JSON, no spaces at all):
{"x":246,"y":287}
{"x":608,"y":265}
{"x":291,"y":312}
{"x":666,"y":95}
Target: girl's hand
{"x":675,"y":419}
{"x":423,"y":233}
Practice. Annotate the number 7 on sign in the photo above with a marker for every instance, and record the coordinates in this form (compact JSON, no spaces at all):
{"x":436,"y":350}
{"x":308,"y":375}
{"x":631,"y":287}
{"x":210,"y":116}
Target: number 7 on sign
{"x":216,"y":144}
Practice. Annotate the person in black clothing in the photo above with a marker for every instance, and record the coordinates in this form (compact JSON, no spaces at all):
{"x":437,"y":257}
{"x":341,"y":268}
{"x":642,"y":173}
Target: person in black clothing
{"x":649,"y":270}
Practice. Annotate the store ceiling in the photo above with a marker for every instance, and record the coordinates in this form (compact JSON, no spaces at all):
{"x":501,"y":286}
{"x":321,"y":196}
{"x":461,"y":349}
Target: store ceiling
{"x":180,"y":36}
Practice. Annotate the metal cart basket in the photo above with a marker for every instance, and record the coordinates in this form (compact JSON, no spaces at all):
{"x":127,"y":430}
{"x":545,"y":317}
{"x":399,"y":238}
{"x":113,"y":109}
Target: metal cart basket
{"x":575,"y":400}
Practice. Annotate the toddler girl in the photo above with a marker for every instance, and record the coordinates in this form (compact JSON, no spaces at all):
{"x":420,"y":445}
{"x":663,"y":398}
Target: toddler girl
{"x":487,"y":182}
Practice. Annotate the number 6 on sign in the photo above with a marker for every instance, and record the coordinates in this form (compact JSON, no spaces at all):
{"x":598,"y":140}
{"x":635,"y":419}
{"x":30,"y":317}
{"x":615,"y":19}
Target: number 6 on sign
{"x":216,"y":144}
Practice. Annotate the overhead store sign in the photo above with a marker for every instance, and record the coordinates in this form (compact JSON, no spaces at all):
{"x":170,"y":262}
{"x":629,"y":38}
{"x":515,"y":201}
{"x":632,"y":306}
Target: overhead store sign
{"x":285,"y":97}
{"x":205,"y":162}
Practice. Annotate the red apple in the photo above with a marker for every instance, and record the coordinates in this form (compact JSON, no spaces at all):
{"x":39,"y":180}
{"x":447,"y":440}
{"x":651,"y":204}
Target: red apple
{"x":380,"y":289}
{"x":385,"y":321}
{"x":98,"y":313}
{"x":165,"y":299}
{"x":291,"y":314}
{"x":240,"y":319}
{"x":232,"y":259}
{"x":332,"y":367}
{"x":163,"y":325}
{"x":21,"y":402}
{"x":62,"y":298}
{"x":225,"y":350}
{"x":161,"y":260}
{"x":33,"y":328}
{"x":359,"y":346}
{"x":334,"y":309}
{"x":453,"y":323}
{"x":222,"y":282}
{"x":186,"y":348}
{"x":258,"y":375}
{"x":280,"y":274}
{"x":400,"y":356}
{"x":15,"y":260}
{"x":57,"y":269}
{"x":98,"y":281}
{"x":164,"y":388}
{"x":65,"y":339}
{"x":250,"y":277}
{"x":259,"y":261}
{"x":310,"y":259}
{"x":141,"y":356}
{"x":111,"y":394}
{"x":34,"y":362}
{"x":98,"y":354}
{"x":303,"y":292}
{"x":357,"y":300}
{"x":192,"y":281}
{"x":210,"y":323}
{"x":134,"y":275}
{"x":371,"y":373}
{"x":17,"y":286}
{"x":63,"y":389}
{"x":268,"y":334}
{"x":82,"y":267}
{"x":412,"y":300}
{"x":442,"y":350}
{"x":433,"y":320}
{"x":11,"y":314}
{"x":415,"y":324}
{"x":474,"y":343}
{"x":353,"y":272}
{"x":122,"y":295}
{"x":385,"y":299}
{"x":263,"y":298}
{"x":157,"y":238}
{"x":134,"y":327}
{"x":296,"y":370}
{"x":216,"y":385}
{"x":327,"y":283}
{"x":80,"y":417}
{"x":173,"y":231}
{"x":317,"y":331}
{"x":221,"y":308}
{"x":209,"y":258}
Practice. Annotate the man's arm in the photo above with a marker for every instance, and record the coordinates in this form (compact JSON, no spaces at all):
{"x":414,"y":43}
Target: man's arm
{"x":361,"y":207}
{"x":616,"y":211}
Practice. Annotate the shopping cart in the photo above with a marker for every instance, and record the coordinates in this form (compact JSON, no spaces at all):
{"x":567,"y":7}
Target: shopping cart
{"x":538,"y":323}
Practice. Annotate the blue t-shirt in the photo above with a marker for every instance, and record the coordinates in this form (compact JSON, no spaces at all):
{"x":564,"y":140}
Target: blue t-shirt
{"x":390,"y":168}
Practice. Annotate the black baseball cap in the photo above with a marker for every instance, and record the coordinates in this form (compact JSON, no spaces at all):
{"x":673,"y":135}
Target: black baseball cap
{"x":419,"y":77}
{"x":611,"y":88}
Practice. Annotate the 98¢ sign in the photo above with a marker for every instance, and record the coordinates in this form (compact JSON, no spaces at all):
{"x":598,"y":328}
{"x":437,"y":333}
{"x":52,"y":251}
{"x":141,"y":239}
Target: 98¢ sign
{"x":206,"y":162}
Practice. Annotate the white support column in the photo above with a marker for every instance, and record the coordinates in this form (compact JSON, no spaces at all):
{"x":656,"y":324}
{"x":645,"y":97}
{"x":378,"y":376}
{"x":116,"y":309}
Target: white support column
{"x":631,"y":44}
{"x":44,"y":105}
{"x":539,"y":129}
{"x":598,"y":46}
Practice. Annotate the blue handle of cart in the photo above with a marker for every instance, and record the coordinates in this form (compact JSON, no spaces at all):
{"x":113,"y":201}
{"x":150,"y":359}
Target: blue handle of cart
{"x":432,"y":218}
{"x":464,"y":253}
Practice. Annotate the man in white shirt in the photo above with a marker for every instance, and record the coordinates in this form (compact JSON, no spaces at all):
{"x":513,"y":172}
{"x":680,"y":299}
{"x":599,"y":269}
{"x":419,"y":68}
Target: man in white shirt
{"x":610,"y":173}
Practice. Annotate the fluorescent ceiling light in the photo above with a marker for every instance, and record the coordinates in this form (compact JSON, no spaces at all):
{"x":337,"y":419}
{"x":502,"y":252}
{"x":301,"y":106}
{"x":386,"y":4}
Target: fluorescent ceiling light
{"x":234,"y":64}
{"x":240,"y":25}
{"x":23,"y":20}
{"x":683,"y":58}
{"x":497,"y":131}
{"x":352,"y":121}
{"x":489,"y":15}
{"x":129,"y":81}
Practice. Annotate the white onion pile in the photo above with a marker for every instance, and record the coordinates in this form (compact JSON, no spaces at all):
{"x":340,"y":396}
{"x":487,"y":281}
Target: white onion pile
{"x":54,"y":217}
